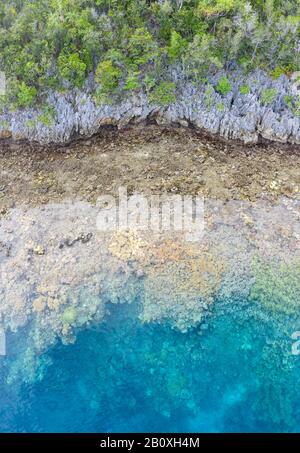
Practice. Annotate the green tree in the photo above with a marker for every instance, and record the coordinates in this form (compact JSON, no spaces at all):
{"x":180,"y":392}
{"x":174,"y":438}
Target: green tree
{"x":72,"y":68}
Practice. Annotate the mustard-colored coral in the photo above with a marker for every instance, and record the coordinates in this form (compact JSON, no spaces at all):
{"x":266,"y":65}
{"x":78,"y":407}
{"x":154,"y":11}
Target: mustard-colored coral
{"x":169,"y":250}
{"x":128,"y":245}
{"x":181,"y":291}
{"x":39,"y":304}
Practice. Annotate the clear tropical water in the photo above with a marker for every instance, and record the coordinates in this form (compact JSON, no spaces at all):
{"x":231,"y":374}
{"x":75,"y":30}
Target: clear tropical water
{"x":236,"y":373}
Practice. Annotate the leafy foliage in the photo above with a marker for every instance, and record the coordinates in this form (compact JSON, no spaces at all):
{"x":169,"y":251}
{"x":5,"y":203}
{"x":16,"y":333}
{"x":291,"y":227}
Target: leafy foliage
{"x":26,"y":94}
{"x":131,"y":44}
{"x":293,"y":102}
{"x":71,"y":68}
{"x":268,"y":95}
{"x":108,"y":75}
{"x":244,"y":89}
{"x":163,"y":94}
{"x":47,"y":116}
{"x":223,"y":86}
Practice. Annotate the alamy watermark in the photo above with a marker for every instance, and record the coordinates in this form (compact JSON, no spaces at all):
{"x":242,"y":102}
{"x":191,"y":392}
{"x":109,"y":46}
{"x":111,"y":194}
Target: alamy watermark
{"x":156,"y":213}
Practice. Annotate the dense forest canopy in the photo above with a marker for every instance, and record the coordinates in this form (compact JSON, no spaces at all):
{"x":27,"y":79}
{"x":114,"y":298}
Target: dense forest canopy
{"x":131,"y":44}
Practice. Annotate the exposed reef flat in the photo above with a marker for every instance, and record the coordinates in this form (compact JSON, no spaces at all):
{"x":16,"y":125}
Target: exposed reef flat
{"x":59,"y":273}
{"x":152,"y":159}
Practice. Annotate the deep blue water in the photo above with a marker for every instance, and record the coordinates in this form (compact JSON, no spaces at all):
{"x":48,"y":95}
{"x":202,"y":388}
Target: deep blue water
{"x":235,"y":375}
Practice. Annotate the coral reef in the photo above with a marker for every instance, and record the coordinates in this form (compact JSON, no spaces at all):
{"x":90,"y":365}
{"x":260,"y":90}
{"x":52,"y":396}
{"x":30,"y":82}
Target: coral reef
{"x":127,"y":246}
{"x":181,"y":292}
{"x":277,"y":285}
{"x":58,"y":289}
{"x":60,"y":274}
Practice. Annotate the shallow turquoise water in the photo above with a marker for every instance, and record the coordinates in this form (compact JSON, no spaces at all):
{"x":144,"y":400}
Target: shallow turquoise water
{"x":235,"y":374}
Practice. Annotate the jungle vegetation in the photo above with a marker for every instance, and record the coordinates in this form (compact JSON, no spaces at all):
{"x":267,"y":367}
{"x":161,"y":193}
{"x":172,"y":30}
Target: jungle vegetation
{"x":128,"y":45}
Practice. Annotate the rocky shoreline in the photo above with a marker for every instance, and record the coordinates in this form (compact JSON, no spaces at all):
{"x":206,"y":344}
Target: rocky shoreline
{"x":266,"y":109}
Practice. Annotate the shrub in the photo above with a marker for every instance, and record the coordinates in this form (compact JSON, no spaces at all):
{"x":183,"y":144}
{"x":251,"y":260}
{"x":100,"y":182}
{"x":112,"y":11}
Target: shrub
{"x":108,"y":75}
{"x":141,"y":47}
{"x":293,"y":102}
{"x":244,"y":89}
{"x":132,"y":81}
{"x":201,"y":56}
{"x":211,"y":8}
{"x":149,"y":82}
{"x":277,"y":72}
{"x":177,"y":46}
{"x":26,"y":95}
{"x":268,"y":96}
{"x":48,"y":115}
{"x":223,"y":86}
{"x":163,"y":94}
{"x":72,"y":68}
